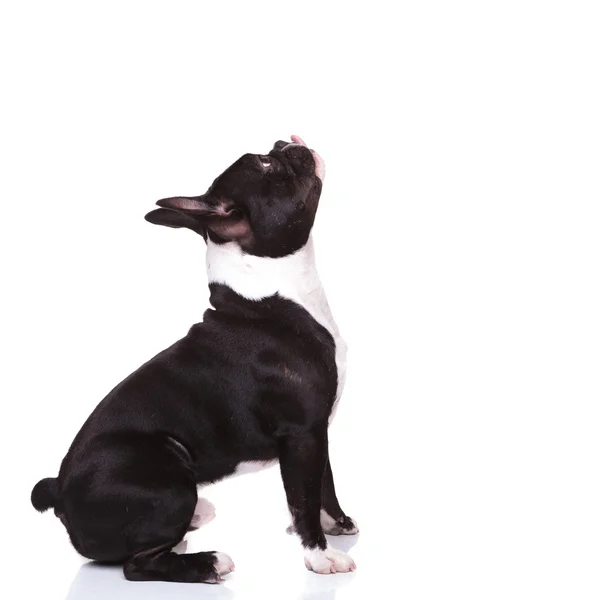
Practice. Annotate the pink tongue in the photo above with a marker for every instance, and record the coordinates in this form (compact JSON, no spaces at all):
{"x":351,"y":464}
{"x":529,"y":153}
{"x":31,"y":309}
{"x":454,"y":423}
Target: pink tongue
{"x":298,"y":140}
{"x":319,"y":165}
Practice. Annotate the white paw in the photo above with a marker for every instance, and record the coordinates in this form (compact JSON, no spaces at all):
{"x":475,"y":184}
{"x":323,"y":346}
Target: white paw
{"x":328,"y":561}
{"x":203,"y":513}
{"x":223,"y":565}
{"x":343,"y":526}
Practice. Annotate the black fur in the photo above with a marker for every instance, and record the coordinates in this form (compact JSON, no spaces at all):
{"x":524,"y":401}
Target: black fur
{"x":126,"y":490}
{"x":269,"y":211}
{"x":45,"y":494}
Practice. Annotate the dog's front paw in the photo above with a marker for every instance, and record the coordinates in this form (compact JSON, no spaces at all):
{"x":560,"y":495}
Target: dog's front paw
{"x":343,"y":526}
{"x":328,"y":561}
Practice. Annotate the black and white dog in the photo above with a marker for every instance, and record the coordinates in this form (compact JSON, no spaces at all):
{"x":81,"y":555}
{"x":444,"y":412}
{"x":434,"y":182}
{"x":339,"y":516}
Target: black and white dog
{"x":256,"y":382}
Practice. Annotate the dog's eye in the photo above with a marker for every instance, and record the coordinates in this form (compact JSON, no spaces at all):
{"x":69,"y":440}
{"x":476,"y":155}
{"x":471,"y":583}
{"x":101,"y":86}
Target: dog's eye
{"x":265,"y":161}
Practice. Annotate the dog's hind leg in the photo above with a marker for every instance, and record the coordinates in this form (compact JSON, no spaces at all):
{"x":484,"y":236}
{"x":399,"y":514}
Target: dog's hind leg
{"x":158,"y":562}
{"x":136,"y":508}
{"x":161,"y":564}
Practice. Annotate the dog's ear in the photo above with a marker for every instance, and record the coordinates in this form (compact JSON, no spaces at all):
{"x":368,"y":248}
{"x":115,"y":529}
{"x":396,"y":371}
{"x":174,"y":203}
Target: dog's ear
{"x":171,"y":218}
{"x":221,"y":216}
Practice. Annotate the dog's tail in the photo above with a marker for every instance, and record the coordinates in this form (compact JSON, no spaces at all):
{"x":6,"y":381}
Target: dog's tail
{"x":45,"y":494}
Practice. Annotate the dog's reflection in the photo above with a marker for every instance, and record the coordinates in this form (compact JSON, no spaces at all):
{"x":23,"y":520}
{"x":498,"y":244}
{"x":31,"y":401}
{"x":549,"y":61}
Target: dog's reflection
{"x":100,"y":582}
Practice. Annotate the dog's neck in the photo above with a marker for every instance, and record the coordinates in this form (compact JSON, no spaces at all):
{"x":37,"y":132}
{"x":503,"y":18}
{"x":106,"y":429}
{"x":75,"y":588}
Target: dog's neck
{"x":294,"y":277}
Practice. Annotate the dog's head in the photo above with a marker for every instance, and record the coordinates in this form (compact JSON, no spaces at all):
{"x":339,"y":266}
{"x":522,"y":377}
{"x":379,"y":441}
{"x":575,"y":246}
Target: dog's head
{"x":266,"y":203}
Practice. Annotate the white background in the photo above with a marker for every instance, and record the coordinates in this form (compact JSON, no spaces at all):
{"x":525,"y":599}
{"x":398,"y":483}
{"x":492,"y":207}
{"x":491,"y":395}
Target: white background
{"x":458,"y":239}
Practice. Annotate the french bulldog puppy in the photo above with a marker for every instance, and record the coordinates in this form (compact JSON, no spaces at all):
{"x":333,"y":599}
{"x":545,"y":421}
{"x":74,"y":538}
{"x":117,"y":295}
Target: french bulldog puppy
{"x":255,"y":383}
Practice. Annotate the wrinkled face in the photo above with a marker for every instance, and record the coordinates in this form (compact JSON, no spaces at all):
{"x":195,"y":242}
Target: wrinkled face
{"x":266,"y":203}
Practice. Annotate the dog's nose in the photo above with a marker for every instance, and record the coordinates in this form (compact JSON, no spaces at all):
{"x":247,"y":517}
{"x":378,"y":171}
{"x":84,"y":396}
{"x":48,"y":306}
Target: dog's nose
{"x":298,"y":142}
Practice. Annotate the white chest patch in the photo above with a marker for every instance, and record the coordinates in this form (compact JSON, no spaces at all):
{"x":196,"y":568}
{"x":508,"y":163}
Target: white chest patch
{"x":252,"y":466}
{"x":293,"y":277}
